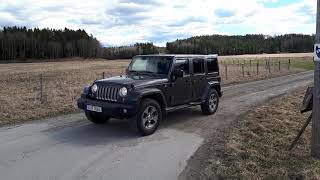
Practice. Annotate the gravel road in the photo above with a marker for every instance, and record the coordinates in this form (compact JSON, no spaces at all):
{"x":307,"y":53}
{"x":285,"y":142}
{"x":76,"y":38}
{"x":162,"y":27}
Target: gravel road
{"x":69,"y":147}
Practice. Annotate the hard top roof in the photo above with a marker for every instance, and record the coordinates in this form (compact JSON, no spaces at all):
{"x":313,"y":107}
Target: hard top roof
{"x":180,"y":55}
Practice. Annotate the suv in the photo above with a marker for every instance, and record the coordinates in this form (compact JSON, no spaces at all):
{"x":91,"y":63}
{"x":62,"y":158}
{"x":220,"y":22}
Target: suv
{"x":153,"y":86}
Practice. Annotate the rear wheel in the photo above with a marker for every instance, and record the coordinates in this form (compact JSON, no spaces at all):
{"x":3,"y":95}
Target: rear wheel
{"x":97,"y":118}
{"x":148,"y":117}
{"x":211,"y":104}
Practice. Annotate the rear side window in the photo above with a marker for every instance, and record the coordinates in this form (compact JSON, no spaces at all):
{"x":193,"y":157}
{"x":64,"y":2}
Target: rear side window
{"x":212,"y":65}
{"x":182,"y":64}
{"x":198,"y":66}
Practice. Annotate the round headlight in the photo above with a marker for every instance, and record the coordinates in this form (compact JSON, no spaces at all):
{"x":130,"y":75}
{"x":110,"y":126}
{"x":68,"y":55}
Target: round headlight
{"x":94,"y":88}
{"x":123,"y":92}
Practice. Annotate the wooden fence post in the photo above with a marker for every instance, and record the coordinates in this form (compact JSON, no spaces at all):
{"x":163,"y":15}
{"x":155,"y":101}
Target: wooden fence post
{"x":250,"y":62}
{"x":242,"y":70}
{"x":103,"y":75}
{"x":41,"y":89}
{"x":289,"y":63}
{"x":266,"y":66}
{"x":226,"y":71}
{"x":257,"y":67}
{"x":279,"y":66}
{"x":269,"y":68}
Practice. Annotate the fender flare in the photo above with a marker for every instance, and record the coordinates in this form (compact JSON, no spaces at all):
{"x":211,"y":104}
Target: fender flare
{"x":149,"y":92}
{"x":211,"y":84}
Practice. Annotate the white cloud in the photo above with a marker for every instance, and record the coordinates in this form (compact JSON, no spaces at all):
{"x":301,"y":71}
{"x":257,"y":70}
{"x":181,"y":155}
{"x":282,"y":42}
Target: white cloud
{"x":122,"y":22}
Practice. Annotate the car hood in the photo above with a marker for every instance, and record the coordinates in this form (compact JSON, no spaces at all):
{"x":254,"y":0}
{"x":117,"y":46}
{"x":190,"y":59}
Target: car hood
{"x":135,"y":80}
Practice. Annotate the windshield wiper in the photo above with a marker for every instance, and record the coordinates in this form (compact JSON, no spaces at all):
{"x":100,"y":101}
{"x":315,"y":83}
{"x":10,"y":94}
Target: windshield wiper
{"x":132,"y":71}
{"x":145,"y":72}
{"x":148,"y":72}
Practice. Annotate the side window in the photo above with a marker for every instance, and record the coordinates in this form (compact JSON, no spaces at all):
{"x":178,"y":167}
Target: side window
{"x":198,"y":66}
{"x":212,"y":65}
{"x":182,"y":64}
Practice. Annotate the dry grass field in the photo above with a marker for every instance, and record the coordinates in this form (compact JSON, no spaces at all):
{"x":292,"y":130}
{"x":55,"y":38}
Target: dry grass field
{"x":257,"y":146}
{"x":268,"y":56}
{"x":62,"y":83}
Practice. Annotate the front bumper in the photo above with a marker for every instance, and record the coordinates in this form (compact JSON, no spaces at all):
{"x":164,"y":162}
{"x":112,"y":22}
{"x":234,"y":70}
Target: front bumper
{"x":110,"y":109}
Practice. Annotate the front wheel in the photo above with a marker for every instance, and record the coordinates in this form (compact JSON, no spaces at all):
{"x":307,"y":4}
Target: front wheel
{"x":211,"y":104}
{"x":97,"y":118}
{"x":148,"y":117}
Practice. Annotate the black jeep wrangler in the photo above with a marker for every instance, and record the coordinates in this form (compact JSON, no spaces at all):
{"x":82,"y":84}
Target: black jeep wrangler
{"x":153,"y":86}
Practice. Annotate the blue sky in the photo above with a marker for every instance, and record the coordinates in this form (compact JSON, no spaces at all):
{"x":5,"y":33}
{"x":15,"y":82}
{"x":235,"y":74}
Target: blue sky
{"x":279,"y":3}
{"x":124,"y":22}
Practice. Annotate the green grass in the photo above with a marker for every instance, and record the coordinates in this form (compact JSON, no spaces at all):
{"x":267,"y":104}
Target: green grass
{"x":300,"y":63}
{"x":303,"y":64}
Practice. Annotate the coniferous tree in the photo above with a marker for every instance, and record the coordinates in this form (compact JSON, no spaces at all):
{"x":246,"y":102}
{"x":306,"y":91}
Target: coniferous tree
{"x":20,"y":43}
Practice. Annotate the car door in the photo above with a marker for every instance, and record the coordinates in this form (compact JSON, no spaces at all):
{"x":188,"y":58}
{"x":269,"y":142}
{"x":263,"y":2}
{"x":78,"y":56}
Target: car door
{"x":181,"y":87}
{"x":198,"y":78}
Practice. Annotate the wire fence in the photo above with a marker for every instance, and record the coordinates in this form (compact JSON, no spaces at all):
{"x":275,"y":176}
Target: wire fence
{"x":46,"y":87}
{"x":27,"y":95}
{"x":242,"y":70}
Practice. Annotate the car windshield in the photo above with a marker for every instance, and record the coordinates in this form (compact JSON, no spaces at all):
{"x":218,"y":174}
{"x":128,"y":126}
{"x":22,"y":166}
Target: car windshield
{"x":150,"y":64}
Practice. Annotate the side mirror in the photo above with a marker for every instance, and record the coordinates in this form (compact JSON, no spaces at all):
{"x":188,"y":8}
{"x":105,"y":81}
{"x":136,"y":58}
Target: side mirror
{"x":178,"y":73}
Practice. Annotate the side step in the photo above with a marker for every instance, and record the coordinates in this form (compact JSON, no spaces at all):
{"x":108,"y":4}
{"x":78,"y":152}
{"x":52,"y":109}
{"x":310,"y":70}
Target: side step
{"x":171,"y":109}
{"x":195,"y":103}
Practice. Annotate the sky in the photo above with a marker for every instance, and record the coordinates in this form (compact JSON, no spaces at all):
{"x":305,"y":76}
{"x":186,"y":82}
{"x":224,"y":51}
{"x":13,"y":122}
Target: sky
{"x":125,"y":22}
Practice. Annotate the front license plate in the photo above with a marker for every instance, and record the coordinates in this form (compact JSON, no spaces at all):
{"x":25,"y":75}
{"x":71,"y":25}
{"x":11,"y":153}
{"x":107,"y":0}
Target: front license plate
{"x":94,"y":108}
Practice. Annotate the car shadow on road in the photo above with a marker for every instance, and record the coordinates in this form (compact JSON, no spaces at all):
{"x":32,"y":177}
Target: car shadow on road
{"x":182,"y":116}
{"x":90,"y":134}
{"x":117,"y":131}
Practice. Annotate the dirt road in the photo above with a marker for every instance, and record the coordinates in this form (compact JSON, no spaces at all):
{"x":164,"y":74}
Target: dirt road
{"x":69,"y":147}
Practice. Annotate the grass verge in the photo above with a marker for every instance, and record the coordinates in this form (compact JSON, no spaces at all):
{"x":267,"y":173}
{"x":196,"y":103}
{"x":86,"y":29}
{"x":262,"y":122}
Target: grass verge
{"x":257,"y":146}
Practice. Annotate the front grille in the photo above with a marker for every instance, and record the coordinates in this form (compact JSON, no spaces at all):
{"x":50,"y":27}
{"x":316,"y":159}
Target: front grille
{"x":107,"y":93}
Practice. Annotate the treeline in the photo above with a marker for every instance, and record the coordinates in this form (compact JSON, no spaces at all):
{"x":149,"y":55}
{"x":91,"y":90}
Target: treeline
{"x":248,"y":44}
{"x":127,"y":52}
{"x":22,"y":43}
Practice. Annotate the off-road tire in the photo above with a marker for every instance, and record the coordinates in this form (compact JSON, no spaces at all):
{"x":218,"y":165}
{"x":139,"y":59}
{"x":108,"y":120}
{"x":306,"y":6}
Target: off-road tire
{"x":207,"y":107}
{"x":140,"y":121}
